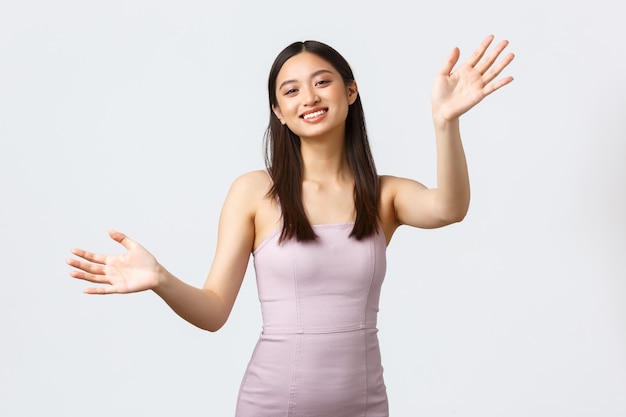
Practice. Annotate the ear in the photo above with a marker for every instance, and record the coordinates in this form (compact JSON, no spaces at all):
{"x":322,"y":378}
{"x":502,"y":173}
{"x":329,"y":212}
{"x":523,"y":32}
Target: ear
{"x":278,"y":114}
{"x":353,"y":92}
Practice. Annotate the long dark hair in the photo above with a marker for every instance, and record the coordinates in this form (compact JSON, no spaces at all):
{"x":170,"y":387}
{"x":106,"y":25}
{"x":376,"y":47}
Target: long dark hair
{"x":284,"y":160}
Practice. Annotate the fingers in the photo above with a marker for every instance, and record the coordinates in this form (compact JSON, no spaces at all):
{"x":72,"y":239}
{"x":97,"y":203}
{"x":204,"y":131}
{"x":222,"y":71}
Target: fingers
{"x":492,"y":73}
{"x":92,"y":273}
{"x":490,"y":88}
{"x":87,"y":271}
{"x":89,"y":267}
{"x":90,"y":256}
{"x":481,"y":63}
{"x":480,"y":51}
{"x":486,"y":63}
{"x":484,"y":66}
{"x":93,"y":266}
{"x":101,"y":290}
{"x":92,"y":269}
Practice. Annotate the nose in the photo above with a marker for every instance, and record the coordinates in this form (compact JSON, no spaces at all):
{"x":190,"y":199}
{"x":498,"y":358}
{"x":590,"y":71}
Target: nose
{"x":310,"y":96}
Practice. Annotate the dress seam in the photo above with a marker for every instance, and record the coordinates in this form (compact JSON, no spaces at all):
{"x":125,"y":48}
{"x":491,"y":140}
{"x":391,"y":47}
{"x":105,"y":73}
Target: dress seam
{"x":365,"y":377}
{"x":292,"y":385}
{"x":372,"y":256}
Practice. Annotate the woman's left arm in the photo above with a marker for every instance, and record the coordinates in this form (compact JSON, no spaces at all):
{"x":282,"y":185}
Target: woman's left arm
{"x":453,"y":94}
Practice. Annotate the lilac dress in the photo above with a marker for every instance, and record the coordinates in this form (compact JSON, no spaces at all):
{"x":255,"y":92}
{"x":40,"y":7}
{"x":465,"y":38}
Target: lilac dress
{"x":318,"y":354}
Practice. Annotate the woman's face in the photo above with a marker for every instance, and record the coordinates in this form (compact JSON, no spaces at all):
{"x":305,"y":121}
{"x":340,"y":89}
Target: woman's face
{"x":312,"y":97}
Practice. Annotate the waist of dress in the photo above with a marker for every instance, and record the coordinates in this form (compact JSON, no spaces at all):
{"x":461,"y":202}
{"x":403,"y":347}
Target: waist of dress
{"x":318,"y":330}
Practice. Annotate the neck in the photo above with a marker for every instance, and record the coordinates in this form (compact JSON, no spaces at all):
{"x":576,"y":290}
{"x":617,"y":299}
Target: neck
{"x":324,"y":159}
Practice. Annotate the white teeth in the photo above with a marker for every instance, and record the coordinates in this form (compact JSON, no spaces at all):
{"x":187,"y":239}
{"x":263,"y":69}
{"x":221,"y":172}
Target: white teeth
{"x":314,"y":114}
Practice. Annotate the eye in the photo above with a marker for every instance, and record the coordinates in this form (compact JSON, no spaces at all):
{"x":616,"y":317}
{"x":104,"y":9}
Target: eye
{"x":322,"y":83}
{"x":290,"y":91}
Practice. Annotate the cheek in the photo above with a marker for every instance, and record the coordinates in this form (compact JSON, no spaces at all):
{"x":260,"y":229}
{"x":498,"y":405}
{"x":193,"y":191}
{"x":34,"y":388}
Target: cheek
{"x":286,"y":107}
{"x":345,"y":103}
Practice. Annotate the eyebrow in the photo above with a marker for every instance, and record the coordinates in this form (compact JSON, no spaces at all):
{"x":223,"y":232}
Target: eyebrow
{"x":313,"y":75}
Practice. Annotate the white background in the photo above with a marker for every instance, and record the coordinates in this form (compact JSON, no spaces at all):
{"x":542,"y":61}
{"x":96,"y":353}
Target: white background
{"x":137,"y":115}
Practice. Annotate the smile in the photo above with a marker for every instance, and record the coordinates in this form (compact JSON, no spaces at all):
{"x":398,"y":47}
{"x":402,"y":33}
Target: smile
{"x":314,"y":114}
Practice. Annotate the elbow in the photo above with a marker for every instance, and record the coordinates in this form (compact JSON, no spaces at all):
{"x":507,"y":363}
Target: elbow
{"x":217,"y":315}
{"x":212,"y":329}
{"x":459,"y":217}
{"x":451,"y":218}
{"x":213,"y":326}
{"x":453,"y":214}
{"x":216,"y":324}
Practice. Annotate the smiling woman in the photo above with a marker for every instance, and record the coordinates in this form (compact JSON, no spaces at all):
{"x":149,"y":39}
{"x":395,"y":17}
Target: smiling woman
{"x":317,"y":222}
{"x":310,"y":78}
{"x":298,"y":100}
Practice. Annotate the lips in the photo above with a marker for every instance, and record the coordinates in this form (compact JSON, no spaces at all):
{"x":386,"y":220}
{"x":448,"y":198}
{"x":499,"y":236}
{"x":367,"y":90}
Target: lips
{"x":310,"y":115}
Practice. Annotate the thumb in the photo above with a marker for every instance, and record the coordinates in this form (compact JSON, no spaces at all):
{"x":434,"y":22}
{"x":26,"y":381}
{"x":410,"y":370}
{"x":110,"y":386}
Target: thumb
{"x":451,"y":61}
{"x":121,"y":238}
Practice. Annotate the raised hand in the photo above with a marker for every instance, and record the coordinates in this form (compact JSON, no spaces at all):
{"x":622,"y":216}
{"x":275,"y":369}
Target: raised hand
{"x":455,"y":92}
{"x":133,"y":271}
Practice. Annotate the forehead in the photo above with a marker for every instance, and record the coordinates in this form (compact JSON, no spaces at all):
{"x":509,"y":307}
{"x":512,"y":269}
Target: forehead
{"x":302,"y":66}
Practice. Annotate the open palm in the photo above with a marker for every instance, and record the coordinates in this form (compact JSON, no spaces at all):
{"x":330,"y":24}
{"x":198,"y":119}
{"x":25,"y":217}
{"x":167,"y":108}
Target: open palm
{"x":455,"y":92}
{"x":133,"y":271}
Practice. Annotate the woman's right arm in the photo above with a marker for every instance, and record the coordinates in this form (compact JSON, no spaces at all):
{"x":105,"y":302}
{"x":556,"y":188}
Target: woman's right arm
{"x":137,"y":270}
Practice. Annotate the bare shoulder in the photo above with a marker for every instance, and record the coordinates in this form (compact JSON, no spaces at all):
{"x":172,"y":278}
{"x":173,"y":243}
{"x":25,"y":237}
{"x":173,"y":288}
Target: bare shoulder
{"x":253,"y":180}
{"x":250,"y":190}
{"x":246,"y":192}
{"x":253,"y":185}
{"x":391,"y":184}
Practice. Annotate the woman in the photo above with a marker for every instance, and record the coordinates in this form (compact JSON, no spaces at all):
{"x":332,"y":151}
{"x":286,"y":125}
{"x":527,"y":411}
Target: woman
{"x":317,"y":222}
